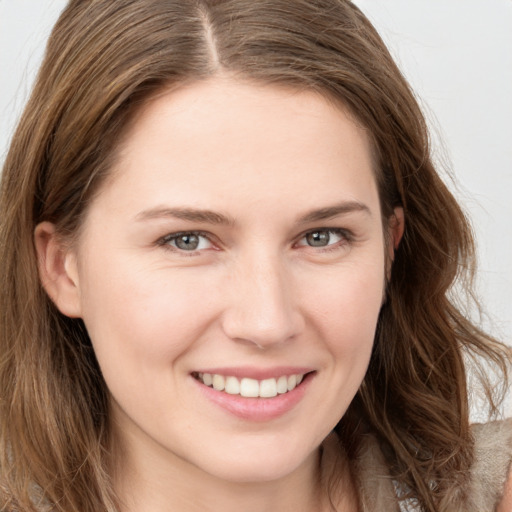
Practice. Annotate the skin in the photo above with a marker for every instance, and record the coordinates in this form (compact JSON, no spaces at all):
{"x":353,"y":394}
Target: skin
{"x":253,"y":294}
{"x":506,"y":502}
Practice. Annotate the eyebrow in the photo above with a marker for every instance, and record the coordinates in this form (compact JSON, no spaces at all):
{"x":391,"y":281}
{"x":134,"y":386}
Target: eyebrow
{"x":330,"y":212}
{"x":211,"y":217}
{"x":189,"y":214}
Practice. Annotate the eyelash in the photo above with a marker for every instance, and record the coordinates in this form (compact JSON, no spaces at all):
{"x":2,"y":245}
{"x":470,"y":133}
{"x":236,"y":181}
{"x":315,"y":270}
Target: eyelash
{"x":346,"y":238}
{"x":165,"y":241}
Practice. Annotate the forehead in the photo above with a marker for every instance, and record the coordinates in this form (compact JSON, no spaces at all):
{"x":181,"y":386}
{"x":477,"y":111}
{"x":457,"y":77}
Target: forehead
{"x":221,"y":139}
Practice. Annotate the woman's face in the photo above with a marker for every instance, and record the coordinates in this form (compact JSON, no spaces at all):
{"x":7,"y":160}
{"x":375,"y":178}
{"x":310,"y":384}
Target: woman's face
{"x":239,"y":240}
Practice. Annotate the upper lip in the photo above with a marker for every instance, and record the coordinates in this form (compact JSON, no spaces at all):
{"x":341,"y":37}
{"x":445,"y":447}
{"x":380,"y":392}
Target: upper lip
{"x":252,"y":372}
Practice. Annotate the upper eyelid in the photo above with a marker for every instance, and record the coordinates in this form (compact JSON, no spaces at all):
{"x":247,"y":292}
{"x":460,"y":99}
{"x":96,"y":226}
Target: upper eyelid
{"x":347,"y":233}
{"x":171,"y":236}
{"x":176,"y":234}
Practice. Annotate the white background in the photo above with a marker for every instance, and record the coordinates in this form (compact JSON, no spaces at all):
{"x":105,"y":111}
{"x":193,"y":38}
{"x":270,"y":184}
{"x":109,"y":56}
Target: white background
{"x":458,"y":56}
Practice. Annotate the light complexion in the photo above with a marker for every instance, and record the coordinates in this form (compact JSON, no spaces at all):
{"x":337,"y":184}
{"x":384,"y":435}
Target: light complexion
{"x":237,"y":250}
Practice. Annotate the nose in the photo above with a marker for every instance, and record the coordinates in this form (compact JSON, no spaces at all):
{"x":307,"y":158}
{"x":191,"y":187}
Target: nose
{"x":263,"y":308}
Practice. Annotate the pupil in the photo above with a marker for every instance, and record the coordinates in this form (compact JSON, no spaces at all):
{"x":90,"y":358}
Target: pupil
{"x":318,"y":238}
{"x":187,"y":242}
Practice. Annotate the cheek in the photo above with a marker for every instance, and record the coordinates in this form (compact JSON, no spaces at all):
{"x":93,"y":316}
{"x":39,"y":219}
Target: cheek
{"x":142,"y":326}
{"x":142,"y":316}
{"x":345,"y":316}
{"x":347,"y":306}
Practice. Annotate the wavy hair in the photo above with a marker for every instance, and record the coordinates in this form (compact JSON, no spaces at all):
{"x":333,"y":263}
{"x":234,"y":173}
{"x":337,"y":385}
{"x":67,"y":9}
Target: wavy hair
{"x":104,"y":59}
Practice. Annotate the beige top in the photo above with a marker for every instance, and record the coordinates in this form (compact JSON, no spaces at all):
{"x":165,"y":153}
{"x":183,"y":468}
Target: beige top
{"x":493,"y":459}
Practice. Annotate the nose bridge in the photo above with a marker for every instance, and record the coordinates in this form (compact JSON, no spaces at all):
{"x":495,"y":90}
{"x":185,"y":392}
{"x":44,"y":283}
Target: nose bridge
{"x":263,"y":308}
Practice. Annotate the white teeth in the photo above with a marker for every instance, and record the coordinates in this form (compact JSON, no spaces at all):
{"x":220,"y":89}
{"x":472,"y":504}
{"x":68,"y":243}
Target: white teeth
{"x":232,"y":386}
{"x":292,"y":382}
{"x":251,"y":388}
{"x":282,"y":384}
{"x":268,"y":388}
{"x":218,"y":382}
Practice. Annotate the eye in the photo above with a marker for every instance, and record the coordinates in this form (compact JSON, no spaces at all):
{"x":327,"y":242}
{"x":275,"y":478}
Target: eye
{"x":187,"y":241}
{"x":323,"y":238}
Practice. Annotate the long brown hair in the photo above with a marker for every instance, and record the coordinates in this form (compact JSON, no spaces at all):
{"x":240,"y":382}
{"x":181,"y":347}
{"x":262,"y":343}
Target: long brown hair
{"x":103,"y":60}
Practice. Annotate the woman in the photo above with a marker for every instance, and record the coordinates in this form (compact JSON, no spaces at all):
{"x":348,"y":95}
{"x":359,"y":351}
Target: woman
{"x":225,"y":264}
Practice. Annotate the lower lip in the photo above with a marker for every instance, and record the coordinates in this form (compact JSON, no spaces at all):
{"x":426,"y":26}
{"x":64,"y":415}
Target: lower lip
{"x":257,"y":409}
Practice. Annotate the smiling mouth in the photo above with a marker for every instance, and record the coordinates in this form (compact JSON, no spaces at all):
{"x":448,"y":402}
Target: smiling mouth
{"x":250,"y":388}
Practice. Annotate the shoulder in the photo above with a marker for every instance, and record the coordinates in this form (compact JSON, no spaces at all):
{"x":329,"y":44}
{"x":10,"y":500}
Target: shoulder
{"x":492,"y":465}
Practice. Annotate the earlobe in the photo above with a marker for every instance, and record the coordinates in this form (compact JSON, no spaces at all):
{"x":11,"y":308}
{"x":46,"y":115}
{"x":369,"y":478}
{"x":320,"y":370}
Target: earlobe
{"x":58,"y":269}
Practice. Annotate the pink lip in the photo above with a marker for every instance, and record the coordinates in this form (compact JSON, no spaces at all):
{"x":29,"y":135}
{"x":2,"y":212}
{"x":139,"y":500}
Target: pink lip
{"x":256,"y":409}
{"x":257,"y":373}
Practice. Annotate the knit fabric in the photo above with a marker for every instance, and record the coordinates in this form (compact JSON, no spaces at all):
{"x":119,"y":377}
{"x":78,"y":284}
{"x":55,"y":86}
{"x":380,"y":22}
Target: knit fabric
{"x":486,"y":482}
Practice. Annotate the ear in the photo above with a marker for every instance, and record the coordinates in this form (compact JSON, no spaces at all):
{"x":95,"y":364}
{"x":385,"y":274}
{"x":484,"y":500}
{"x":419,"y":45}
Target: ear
{"x":396,"y":229}
{"x":58,"y":269}
{"x":396,"y":226}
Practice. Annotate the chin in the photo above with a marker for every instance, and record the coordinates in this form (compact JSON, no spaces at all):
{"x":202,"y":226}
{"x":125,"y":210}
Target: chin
{"x":262,"y":463}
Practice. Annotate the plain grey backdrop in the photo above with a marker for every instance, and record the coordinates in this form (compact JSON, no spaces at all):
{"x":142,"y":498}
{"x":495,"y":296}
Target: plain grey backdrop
{"x":457,"y":54}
